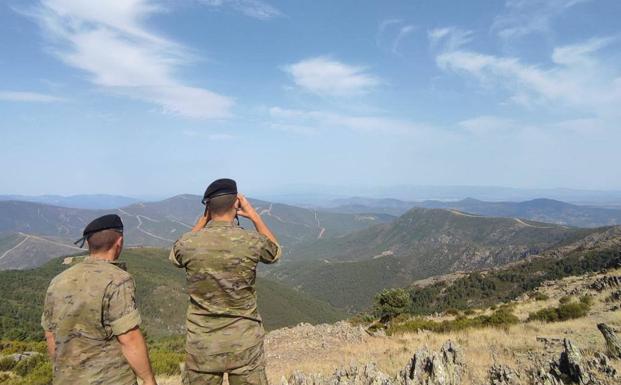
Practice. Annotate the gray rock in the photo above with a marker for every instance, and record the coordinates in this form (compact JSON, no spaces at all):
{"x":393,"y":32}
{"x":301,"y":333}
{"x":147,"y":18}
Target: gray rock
{"x":613,"y":343}
{"x":571,"y":364}
{"x":502,"y":375}
{"x":425,"y":368}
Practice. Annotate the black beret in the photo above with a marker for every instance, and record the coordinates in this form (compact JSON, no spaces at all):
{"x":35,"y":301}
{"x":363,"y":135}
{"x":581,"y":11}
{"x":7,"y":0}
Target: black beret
{"x":220,"y":187}
{"x":107,"y":222}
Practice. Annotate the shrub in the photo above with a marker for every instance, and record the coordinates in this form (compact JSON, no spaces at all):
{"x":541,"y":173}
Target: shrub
{"x":452,"y":311}
{"x":500,"y":318}
{"x":7,"y":363}
{"x":469,"y":312}
{"x":389,"y":303}
{"x":564,"y":299}
{"x":564,"y":312}
{"x":541,"y":297}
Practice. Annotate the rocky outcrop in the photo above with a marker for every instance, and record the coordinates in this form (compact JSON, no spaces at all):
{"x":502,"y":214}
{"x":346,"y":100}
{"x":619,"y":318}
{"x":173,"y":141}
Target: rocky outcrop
{"x":502,"y":375}
{"x":613,"y":343}
{"x":573,"y":368}
{"x":607,"y":282}
{"x":425,"y":368}
{"x":430,"y":368}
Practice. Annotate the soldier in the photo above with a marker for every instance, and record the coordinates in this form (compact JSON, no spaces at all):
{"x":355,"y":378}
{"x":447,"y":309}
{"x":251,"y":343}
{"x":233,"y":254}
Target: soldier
{"x":224,"y":330}
{"x":90,"y":316}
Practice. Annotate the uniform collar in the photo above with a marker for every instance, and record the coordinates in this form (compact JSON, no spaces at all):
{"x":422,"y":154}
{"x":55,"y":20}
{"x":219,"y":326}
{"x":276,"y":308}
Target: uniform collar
{"x":221,"y":224}
{"x":117,"y":263}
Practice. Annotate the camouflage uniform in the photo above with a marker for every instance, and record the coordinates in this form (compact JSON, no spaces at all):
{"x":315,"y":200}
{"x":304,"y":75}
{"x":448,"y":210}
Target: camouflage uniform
{"x":224,"y":329}
{"x":86,"y":306}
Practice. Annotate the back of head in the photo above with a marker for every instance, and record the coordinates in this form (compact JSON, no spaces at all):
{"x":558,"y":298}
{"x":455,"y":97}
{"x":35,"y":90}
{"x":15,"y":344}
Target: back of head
{"x":222,"y":205}
{"x":102,"y":241}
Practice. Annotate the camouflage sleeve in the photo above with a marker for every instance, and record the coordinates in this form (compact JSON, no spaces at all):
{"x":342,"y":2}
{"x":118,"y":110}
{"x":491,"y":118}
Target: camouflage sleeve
{"x":270,"y":251}
{"x":175,"y":256}
{"x":120,"y":310}
{"x":46,"y":317}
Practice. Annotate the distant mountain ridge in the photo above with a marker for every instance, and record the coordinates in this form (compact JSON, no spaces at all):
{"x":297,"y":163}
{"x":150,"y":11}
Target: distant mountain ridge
{"x":542,"y":210}
{"x":349,"y":270}
{"x":84,"y":201}
{"x":32,"y":233}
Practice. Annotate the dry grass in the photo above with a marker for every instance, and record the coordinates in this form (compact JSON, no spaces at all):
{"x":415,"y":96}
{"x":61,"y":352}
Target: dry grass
{"x":515,"y":346}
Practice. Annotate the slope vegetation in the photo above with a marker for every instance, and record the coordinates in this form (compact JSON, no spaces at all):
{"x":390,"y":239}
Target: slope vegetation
{"x":348,"y":271}
{"x":160,"y":293}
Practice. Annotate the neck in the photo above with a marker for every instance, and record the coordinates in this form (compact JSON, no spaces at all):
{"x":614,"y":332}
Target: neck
{"x":109,"y":255}
{"x":224,"y":217}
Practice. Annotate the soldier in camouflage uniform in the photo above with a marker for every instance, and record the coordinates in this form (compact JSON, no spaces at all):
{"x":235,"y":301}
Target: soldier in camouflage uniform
{"x":224,"y":329}
{"x":90,"y":316}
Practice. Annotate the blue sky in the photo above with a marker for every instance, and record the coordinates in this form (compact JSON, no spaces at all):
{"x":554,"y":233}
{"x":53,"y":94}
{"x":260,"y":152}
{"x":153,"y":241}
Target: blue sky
{"x":160,"y":97}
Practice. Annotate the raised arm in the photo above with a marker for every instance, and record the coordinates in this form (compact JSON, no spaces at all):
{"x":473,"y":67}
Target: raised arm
{"x":246,"y":210}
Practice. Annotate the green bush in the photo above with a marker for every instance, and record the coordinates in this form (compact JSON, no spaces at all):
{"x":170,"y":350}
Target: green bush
{"x":565,"y":299}
{"x":469,"y":312}
{"x":564,"y":312}
{"x":452,"y":311}
{"x":500,"y":318}
{"x":6,"y":364}
{"x":34,"y":371}
{"x":389,"y":303}
{"x":541,"y":297}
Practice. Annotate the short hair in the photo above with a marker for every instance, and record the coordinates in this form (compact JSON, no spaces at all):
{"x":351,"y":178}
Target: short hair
{"x":102,"y":240}
{"x":222,"y":204}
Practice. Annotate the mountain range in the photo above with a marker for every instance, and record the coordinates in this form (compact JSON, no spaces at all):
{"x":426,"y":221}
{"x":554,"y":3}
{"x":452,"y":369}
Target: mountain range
{"x":347,"y":271}
{"x":84,"y":201}
{"x":32,"y":233}
{"x":542,"y":210}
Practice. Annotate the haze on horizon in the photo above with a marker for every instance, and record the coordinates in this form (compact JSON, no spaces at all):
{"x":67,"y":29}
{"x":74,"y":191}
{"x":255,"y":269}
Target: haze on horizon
{"x":155,"y":97}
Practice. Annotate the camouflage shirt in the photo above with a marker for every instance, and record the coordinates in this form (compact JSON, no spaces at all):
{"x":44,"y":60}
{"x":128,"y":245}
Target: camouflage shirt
{"x":86,"y":306}
{"x":220,"y":263}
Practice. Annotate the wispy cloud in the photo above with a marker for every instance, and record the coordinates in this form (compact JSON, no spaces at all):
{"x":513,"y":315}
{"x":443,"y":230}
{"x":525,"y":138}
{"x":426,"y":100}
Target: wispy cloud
{"x":579,"y":77}
{"x":448,"y":38}
{"x":108,"y":41}
{"x":24,"y":96}
{"x":252,"y":8}
{"x":524,"y":17}
{"x":325,"y":76}
{"x":310,"y":121}
{"x":391,"y":33}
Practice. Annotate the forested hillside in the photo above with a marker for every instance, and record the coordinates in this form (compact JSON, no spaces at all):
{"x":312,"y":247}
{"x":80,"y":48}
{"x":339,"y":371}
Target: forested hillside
{"x":160,"y":294}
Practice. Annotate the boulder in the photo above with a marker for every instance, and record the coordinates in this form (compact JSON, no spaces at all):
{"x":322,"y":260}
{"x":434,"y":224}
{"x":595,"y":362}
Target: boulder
{"x":613,"y":343}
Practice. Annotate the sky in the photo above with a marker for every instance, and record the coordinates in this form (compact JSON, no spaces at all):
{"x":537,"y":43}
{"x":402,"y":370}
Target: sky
{"x":160,"y":97}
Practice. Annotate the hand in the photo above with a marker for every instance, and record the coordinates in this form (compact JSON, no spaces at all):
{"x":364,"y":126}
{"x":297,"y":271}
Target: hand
{"x":245,"y":208}
{"x":202,"y":222}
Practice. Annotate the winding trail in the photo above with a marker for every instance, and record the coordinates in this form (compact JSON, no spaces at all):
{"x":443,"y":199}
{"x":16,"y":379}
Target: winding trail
{"x":518,"y":220}
{"x":322,"y":229}
{"x":139,"y":227}
{"x":30,"y":236}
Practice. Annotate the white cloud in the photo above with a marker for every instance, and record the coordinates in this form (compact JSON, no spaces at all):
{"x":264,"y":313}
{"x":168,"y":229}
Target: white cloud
{"x":108,"y":40}
{"x":579,"y":78}
{"x":525,"y":17}
{"x":24,"y":96}
{"x":252,"y":8}
{"x":312,"y":120}
{"x":324,"y":76}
